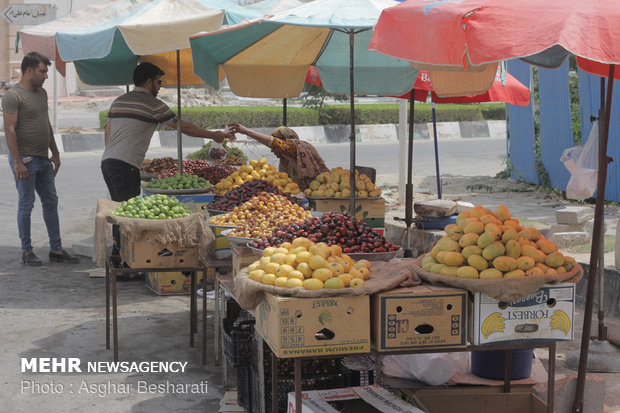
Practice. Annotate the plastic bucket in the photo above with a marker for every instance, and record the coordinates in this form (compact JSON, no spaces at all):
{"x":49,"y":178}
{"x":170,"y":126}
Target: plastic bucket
{"x":490,"y":364}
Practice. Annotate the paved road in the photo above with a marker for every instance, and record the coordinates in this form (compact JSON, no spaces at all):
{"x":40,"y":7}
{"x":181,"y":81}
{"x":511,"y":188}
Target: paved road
{"x":80,"y":183}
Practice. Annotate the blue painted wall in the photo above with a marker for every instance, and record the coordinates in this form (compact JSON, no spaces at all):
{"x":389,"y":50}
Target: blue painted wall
{"x":556,"y":126}
{"x":521,"y":149}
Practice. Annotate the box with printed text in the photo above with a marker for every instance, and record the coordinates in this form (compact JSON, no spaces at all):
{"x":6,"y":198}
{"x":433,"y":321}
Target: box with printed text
{"x":146,"y":252}
{"x":301,"y":327}
{"x":419,"y":318}
{"x":546,"y":314}
{"x":351,"y":399}
{"x":175,"y":282}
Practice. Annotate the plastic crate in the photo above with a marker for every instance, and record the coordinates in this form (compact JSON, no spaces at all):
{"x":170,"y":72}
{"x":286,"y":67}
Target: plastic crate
{"x":237,"y":341}
{"x":247,"y":389}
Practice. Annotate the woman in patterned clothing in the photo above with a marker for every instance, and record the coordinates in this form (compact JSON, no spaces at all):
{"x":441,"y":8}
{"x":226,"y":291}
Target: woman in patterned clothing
{"x":299,"y":159}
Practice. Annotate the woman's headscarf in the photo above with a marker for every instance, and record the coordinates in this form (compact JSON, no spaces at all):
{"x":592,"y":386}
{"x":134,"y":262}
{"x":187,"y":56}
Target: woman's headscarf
{"x":308,"y":163}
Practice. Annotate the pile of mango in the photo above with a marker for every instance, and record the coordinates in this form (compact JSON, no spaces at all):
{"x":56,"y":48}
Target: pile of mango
{"x":303,"y":263}
{"x":491,"y":244}
{"x":257,"y":169}
{"x":337,"y":184}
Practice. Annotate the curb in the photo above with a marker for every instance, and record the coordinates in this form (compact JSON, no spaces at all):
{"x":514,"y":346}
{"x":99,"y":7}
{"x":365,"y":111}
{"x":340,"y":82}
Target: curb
{"x":80,"y":142}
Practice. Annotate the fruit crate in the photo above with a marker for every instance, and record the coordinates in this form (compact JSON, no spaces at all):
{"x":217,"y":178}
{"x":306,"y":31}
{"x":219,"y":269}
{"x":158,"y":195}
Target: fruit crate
{"x":237,"y":341}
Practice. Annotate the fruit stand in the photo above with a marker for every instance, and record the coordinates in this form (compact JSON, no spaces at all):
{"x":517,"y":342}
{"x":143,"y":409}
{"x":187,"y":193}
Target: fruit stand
{"x":312,"y":279}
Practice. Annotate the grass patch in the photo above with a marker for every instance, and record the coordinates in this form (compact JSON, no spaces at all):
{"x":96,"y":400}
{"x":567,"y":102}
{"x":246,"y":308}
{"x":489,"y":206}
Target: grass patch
{"x":609,"y":245}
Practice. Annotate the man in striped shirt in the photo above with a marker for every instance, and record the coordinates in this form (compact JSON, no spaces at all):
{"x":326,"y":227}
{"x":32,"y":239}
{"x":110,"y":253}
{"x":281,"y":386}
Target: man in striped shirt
{"x":132,"y":120}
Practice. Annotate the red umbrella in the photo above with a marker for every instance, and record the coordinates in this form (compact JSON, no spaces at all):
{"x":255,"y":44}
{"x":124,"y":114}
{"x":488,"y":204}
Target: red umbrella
{"x":504,"y":89}
{"x":312,"y":76}
{"x":507,"y":89}
{"x":472,"y":35}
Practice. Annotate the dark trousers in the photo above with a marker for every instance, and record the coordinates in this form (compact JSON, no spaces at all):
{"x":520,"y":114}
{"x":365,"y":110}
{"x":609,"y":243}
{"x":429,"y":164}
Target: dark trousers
{"x":123,"y":182}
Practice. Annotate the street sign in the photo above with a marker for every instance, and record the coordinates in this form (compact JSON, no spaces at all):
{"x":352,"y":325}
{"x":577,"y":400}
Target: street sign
{"x":28,"y":14}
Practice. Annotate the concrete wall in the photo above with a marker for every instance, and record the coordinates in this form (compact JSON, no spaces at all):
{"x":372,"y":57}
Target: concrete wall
{"x":71,"y":142}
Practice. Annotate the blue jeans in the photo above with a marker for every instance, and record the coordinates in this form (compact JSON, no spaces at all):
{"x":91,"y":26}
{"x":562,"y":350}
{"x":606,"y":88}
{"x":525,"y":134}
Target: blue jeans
{"x":41,"y":180}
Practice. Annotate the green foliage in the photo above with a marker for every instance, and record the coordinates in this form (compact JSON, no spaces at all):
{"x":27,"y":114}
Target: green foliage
{"x":217,"y":117}
{"x":507,"y":172}
{"x":575,"y":107}
{"x":313,"y":97}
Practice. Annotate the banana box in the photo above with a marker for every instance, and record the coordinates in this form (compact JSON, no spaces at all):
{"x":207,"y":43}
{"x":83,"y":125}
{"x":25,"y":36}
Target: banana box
{"x":175,"y":282}
{"x":544,"y":315}
{"x":422,"y":317}
{"x":321,"y":326}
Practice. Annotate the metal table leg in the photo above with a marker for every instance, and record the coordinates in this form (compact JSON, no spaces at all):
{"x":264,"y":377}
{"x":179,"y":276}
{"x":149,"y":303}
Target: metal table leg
{"x":192,"y":308}
{"x":114,"y":317}
{"x":218,"y":324}
{"x":204,"y":317}
{"x":551,"y":379}
{"x":298,"y":385}
{"x":107,"y":305}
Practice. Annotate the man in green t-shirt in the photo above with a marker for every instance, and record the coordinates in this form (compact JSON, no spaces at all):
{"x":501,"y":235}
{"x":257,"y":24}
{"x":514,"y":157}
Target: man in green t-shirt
{"x":29,"y":138}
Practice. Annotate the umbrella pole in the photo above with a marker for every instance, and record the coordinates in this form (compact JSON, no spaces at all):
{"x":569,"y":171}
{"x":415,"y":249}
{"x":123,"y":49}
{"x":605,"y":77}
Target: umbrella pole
{"x":408,"y":253}
{"x":436,"y":152}
{"x":596,"y":245}
{"x":284,"y":112}
{"x":352,"y":138}
{"x":179,"y":135}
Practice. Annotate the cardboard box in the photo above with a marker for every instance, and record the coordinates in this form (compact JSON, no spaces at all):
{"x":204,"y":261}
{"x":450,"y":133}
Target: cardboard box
{"x":301,"y":327}
{"x":241,"y":257}
{"x":546,"y":314}
{"x":198,"y":202}
{"x":447,"y":401}
{"x":175,"y":282}
{"x":360,"y":399}
{"x":419,"y":318}
{"x":148,"y":253}
{"x":369,"y":211}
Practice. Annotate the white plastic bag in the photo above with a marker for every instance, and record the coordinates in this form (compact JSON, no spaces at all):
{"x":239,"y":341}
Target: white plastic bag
{"x":217,"y":152}
{"x":434,"y":369}
{"x":582,"y":163}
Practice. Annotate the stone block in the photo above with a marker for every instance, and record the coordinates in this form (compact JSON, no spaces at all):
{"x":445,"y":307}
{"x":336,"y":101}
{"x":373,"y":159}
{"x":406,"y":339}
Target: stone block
{"x":587,"y":226}
{"x":497,"y":128}
{"x":309,"y":134}
{"x":80,"y":142}
{"x":435,"y":208}
{"x":474,"y":129}
{"x":568,"y":239}
{"x":565,"y":389}
{"x":463,"y":206}
{"x":372,"y":133}
{"x":420,"y":131}
{"x":446,"y":130}
{"x":574,"y":215}
{"x":339,"y":133}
